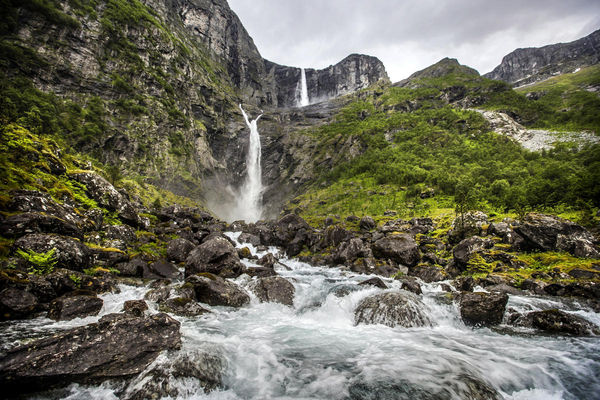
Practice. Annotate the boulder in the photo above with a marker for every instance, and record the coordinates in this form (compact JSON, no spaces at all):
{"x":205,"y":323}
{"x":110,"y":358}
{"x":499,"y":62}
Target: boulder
{"x":107,"y":196}
{"x":69,"y":253}
{"x":559,"y":322}
{"x":107,"y":257}
{"x":134,"y":267}
{"x":16,"y":304}
{"x":249,"y":238}
{"x":463,"y":251}
{"x":182,"y":306}
{"x":201,"y":370}
{"x":399,"y":248}
{"x":292,"y":233}
{"x":482,"y":309}
{"x":548,"y":233}
{"x":274,"y":289}
{"x":377,"y":282}
{"x":22,"y":224}
{"x":348,"y":252}
{"x":216,"y":256}
{"x":367,"y":223}
{"x":216,"y":291}
{"x":160,"y":269}
{"x":78,"y":304}
{"x":118,"y":346}
{"x":470,"y":224}
{"x":120,"y":232}
{"x":392,"y":309}
{"x":410,"y":284}
{"x":427,"y":273}
{"x":179,"y":249}
{"x":334,"y":235}
{"x":137,"y":308}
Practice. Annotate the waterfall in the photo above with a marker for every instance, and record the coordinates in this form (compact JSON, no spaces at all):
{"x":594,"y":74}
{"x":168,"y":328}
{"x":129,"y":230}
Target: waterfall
{"x":304,"y":101}
{"x":249,"y":201}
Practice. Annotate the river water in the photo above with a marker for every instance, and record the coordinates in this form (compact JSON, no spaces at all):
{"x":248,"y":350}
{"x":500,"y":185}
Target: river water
{"x":314,"y":351}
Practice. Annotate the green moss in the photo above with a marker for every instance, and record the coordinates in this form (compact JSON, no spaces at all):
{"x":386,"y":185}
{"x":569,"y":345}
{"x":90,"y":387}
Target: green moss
{"x":39,"y":263}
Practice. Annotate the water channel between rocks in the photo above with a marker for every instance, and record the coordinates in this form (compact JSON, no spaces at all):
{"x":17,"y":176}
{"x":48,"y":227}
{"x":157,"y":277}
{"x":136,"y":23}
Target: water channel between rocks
{"x":313,"y":350}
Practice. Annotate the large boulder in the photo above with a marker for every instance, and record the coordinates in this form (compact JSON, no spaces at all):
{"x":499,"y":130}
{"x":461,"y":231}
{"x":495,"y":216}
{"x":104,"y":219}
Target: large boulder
{"x":69,"y":253}
{"x":216,"y":291}
{"x":399,"y":248}
{"x":179,"y":249}
{"x":16,"y":304}
{"x":274,"y":289}
{"x":116,"y":347}
{"x":183,"y":306}
{"x":559,"y":322}
{"x":392,"y":309}
{"x":482,"y":309}
{"x":216,"y":256}
{"x":74,"y":305}
{"x":160,"y":269}
{"x":292,"y":233}
{"x":334,"y":235}
{"x":99,"y":189}
{"x":467,"y":225}
{"x":547,"y":233}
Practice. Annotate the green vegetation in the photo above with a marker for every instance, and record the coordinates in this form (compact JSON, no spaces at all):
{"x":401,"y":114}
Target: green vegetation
{"x":39,"y":263}
{"x":413,"y":141}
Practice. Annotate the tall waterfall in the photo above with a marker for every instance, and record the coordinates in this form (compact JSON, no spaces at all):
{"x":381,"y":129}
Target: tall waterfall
{"x":249,"y":201}
{"x":304,"y":101}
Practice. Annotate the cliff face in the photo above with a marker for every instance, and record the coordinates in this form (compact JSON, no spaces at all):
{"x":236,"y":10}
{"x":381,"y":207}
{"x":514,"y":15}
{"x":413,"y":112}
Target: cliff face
{"x":524,"y":66}
{"x":353,"y":73}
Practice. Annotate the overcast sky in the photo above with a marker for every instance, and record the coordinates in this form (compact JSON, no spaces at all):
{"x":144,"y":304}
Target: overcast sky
{"x":409,"y":35}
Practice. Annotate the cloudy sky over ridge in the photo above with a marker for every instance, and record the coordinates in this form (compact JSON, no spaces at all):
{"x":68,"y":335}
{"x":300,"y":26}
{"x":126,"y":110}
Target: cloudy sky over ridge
{"x":410,"y":35}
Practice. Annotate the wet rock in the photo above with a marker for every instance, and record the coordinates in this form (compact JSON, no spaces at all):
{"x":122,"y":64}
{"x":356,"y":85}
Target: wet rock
{"x":260,"y":272}
{"x":559,"y":322}
{"x":116,"y":347}
{"x":391,"y":309}
{"x":399,"y":248}
{"x":367,"y":223}
{"x":268,"y":261}
{"x":201,"y":370}
{"x":182,"y":306}
{"x":69,"y":253}
{"x":26,"y":223}
{"x":293,"y":233}
{"x":547,"y":233}
{"x":78,"y":304}
{"x":216,"y":256}
{"x":249,"y":238}
{"x":274,"y":289}
{"x":107,"y":257}
{"x":216,"y":291}
{"x":244,"y":252}
{"x":334,"y":235}
{"x":160,"y":270}
{"x":377,"y":282}
{"x":463,"y":251}
{"x":16,"y":304}
{"x":344,"y":289}
{"x":464,"y":283}
{"x":482,"y":309}
{"x":158,"y":295}
{"x":134,"y":267}
{"x":179,"y":249}
{"x":534,"y":286}
{"x":348,"y":252}
{"x":107,"y":196}
{"x":410,"y":284}
{"x":63,"y":281}
{"x":137,"y":308}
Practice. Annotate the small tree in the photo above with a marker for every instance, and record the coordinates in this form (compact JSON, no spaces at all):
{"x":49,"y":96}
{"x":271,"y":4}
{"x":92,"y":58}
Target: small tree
{"x":466,"y":195}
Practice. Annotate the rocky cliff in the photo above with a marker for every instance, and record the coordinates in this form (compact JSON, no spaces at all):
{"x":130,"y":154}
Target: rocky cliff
{"x":353,"y":73}
{"x":524,"y":66}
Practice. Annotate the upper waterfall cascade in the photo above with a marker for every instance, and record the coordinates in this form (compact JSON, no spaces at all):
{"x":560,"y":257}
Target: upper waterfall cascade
{"x":304,"y":100}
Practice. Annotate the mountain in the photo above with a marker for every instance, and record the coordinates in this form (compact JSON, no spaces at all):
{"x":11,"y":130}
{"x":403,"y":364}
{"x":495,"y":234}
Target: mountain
{"x":529,"y":65}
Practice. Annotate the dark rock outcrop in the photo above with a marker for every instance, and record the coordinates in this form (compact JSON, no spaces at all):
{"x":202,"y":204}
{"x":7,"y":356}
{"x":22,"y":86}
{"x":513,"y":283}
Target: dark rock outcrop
{"x":274,"y":289}
{"x":377,"y":282}
{"x":463,"y":251}
{"x":216,"y":256}
{"x":116,"y":347}
{"x":137,"y":308}
{"x":183,"y":306}
{"x":16,"y":304}
{"x":74,"y":305}
{"x":399,"y":248}
{"x":482,"y":309}
{"x":22,"y":224}
{"x":529,"y":65}
{"x":558,"y":322}
{"x":179,"y":249}
{"x":216,"y":291}
{"x":391,"y":309}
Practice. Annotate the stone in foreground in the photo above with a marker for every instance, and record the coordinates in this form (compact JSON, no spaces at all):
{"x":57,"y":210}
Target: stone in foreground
{"x":392,"y":309}
{"x":116,"y":347}
{"x":483,"y":309}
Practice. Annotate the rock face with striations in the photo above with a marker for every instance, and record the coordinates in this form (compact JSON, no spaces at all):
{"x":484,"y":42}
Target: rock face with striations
{"x":524,"y":66}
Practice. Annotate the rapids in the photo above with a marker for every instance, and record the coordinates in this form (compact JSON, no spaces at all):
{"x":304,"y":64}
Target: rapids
{"x":314,"y":350}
